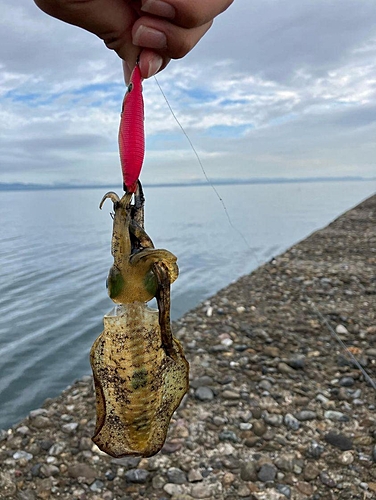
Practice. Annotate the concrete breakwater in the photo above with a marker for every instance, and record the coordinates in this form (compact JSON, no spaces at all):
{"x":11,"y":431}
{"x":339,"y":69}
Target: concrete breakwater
{"x":276,"y":408}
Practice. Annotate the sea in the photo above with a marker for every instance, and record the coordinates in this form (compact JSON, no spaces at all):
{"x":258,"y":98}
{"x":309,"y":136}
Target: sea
{"x":55,"y":253}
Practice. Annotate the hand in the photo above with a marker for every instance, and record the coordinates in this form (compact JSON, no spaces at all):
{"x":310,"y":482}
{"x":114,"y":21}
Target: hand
{"x":155,"y":30}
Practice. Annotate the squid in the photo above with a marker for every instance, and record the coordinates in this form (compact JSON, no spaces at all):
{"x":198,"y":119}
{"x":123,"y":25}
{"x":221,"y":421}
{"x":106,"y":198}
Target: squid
{"x":139,"y":369}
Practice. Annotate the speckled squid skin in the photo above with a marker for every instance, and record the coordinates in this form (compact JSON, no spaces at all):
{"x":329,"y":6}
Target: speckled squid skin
{"x":131,"y":278}
{"x":138,"y":387}
{"x":140,"y":372}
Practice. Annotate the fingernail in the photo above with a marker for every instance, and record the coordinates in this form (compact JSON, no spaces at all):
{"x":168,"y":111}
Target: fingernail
{"x":155,"y":64}
{"x":149,"y":37}
{"x":158,"y":8}
{"x":127,"y":72}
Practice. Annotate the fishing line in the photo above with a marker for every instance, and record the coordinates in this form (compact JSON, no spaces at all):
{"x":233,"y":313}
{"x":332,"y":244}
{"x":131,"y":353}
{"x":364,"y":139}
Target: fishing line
{"x":310,"y":303}
{"x":206,"y":176}
{"x":335,"y":335}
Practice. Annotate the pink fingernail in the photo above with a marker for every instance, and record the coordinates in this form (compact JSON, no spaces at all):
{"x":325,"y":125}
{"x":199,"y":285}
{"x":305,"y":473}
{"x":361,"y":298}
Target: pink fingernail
{"x":127,"y":72}
{"x":155,"y":65}
{"x":158,"y":8}
{"x":150,"y":38}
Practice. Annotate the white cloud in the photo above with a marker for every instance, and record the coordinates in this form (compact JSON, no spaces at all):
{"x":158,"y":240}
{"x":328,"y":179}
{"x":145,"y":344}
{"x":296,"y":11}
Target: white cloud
{"x":275,"y":89}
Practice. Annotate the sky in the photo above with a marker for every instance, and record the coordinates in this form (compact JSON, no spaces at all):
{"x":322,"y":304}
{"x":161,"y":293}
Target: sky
{"x":277,"y":88}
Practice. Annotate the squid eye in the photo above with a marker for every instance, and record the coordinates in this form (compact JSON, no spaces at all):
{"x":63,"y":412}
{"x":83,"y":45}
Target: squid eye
{"x":130,"y":87}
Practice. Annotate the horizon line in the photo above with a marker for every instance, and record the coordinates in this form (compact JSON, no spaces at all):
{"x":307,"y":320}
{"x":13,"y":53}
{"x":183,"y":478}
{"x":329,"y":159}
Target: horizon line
{"x":20,"y":186}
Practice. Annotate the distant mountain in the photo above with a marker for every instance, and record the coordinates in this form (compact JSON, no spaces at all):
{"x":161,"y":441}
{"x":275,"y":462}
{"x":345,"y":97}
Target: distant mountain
{"x":19,"y":186}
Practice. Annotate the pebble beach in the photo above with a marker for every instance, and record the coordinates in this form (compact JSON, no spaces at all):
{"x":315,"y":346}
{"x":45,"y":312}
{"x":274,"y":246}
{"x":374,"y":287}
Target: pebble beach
{"x":276,"y":409}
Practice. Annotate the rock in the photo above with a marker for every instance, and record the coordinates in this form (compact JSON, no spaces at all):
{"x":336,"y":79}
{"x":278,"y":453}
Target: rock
{"x":33,"y":448}
{"x":252,"y":441}
{"x":285,"y":462}
{"x":158,"y":482}
{"x":110,"y":475}
{"x":285,"y":368}
{"x":291,"y":422}
{"x":36,"y":413}
{"x":218,"y":420}
{"x":315,"y":450}
{"x":204,"y":394}
{"x":273,"y":419}
{"x":363,"y":440}
{"x":127,"y":462}
{"x":339,"y":441}
{"x":327,"y":480}
{"x":35,"y":469}
{"x":176,"y":475}
{"x":138,"y":476}
{"x":82,"y":470}
{"x":305,"y":415}
{"x":256,"y":412}
{"x":201,"y":382}
{"x":227,"y":342}
{"x":226,"y":435}
{"x":297,"y":362}
{"x":227,"y":394}
{"x":56,"y":449}
{"x":284,"y":489}
{"x":21,"y":454}
{"x":241,"y":347}
{"x":245,"y":426}
{"x":97,"y":486}
{"x":171,"y":447}
{"x":271,"y":351}
{"x":304,"y":488}
{"x":23,"y":430}
{"x":267,"y":473}
{"x":175,"y":490}
{"x":324,"y":401}
{"x":45,"y":444}
{"x":227,"y":479}
{"x":40,"y":422}
{"x":265,"y":385}
{"x":346,"y":458}
{"x":259,"y":427}
{"x":310,"y":471}
{"x":49,"y":470}
{"x":346,"y":381}
{"x":194,"y":476}
{"x":201,"y":490}
{"x":69,"y":428}
{"x":341,"y":330}
{"x":336,"y":416}
{"x":243,"y":491}
{"x":248,"y":471}
{"x":85,"y":443}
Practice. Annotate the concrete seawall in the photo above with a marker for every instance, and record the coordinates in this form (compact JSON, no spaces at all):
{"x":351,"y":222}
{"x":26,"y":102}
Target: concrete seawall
{"x":277,"y":409}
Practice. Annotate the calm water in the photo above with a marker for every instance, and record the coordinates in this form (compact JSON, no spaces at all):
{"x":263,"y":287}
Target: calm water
{"x":55,"y":255}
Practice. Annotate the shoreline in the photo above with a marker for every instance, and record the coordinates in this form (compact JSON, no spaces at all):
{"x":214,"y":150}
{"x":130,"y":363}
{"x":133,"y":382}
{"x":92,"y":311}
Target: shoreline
{"x":275,"y":410}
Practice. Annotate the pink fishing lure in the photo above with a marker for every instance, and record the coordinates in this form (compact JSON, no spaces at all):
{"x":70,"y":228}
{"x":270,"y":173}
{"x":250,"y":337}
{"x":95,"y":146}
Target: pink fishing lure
{"x":131,"y":132}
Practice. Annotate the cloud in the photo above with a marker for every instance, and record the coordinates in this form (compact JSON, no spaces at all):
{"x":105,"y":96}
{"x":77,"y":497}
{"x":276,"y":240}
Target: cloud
{"x":281,"y":88}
